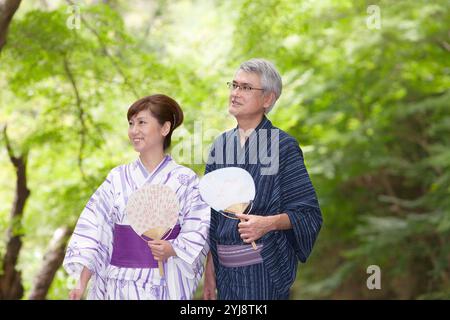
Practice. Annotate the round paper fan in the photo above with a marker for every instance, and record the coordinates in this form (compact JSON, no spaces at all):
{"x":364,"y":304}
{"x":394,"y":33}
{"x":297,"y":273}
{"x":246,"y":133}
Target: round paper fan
{"x":228,"y":190}
{"x":152,"y":210}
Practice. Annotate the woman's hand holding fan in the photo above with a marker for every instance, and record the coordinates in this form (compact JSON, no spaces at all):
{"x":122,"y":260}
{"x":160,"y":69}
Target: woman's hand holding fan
{"x":161,"y":249}
{"x":152,"y":212}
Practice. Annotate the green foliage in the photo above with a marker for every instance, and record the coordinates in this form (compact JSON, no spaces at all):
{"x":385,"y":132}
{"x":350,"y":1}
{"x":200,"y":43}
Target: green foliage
{"x":370,"y":108}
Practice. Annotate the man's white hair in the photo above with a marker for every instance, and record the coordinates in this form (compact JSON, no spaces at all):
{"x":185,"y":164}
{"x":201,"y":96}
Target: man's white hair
{"x":270,"y":78}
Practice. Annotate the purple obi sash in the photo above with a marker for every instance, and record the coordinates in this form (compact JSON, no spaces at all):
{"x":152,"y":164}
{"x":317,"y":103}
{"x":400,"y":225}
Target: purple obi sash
{"x":239,"y":255}
{"x":132,"y":251}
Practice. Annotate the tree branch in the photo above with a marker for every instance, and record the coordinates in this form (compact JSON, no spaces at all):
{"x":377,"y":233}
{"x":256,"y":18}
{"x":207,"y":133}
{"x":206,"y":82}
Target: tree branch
{"x":7,"y":10}
{"x":444,"y":45}
{"x":52,"y":261}
{"x":10,"y":279}
{"x":14,"y":160}
{"x":81,"y":115}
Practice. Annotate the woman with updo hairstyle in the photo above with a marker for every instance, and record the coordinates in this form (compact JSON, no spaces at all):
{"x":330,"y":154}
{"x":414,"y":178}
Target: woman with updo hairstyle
{"x":163,"y":108}
{"x":100,"y":251}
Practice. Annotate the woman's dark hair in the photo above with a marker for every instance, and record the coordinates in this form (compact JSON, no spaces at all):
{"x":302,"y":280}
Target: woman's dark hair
{"x":163,"y":108}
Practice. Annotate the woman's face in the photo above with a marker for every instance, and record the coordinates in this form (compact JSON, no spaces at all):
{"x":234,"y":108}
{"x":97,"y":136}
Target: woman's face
{"x":145,"y":132}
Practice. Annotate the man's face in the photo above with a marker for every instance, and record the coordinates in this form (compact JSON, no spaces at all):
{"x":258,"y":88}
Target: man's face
{"x":247,"y":104}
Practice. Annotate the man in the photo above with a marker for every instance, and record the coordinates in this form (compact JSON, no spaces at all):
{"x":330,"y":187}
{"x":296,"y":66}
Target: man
{"x":285,"y":218}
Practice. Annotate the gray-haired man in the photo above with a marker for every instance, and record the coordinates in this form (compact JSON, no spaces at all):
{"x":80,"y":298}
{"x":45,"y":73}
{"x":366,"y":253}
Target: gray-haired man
{"x":285,"y":218}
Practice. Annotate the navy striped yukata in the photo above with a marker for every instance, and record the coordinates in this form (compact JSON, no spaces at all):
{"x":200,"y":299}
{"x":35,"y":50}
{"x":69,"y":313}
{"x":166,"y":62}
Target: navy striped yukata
{"x":282,"y":186}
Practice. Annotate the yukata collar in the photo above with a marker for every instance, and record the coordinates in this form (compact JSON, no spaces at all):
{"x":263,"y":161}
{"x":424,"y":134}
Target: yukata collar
{"x":264,"y":124}
{"x":149,"y":175}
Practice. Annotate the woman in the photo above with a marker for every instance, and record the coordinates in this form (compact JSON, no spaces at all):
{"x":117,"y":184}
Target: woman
{"x":92,"y":253}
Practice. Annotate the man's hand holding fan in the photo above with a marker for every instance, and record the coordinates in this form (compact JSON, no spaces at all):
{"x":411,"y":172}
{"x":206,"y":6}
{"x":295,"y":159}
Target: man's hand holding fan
{"x":152,"y":213}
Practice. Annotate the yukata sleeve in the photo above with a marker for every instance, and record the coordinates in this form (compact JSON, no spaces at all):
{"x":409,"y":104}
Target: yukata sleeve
{"x":91,"y":241}
{"x":298,"y":201}
{"x":210,"y":166}
{"x":193,"y":238}
{"x":185,"y":270}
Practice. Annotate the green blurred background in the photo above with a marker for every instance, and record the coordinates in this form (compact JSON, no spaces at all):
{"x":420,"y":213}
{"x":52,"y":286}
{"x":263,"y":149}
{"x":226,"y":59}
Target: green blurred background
{"x":366,"y":94}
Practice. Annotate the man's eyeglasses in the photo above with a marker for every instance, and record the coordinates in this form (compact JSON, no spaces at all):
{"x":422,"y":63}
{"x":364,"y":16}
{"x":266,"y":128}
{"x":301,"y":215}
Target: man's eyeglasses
{"x":243,"y":87}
